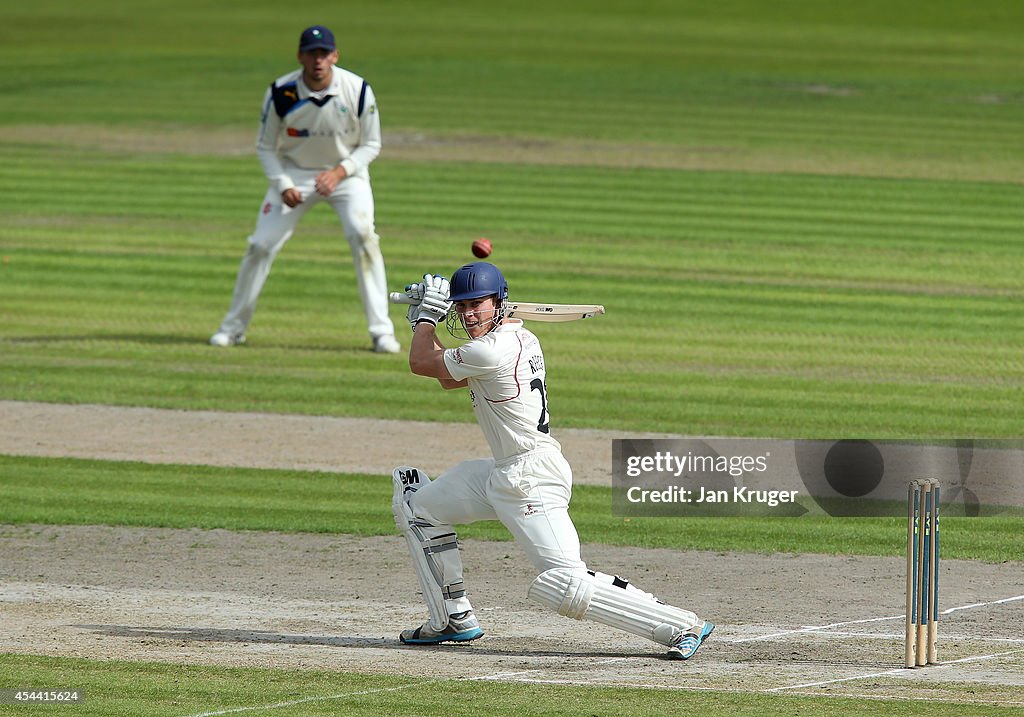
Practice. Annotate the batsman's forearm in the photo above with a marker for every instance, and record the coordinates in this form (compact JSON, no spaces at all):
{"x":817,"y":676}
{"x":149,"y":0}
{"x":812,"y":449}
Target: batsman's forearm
{"x":426,"y":353}
{"x":447,"y":383}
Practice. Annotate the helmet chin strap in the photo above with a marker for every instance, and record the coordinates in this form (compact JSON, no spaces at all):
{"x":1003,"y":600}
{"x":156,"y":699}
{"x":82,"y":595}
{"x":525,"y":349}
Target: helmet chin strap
{"x":457,"y":325}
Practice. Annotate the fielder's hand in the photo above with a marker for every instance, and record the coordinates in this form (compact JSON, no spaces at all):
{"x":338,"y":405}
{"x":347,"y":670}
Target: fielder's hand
{"x":435,"y":304}
{"x":328,"y":180}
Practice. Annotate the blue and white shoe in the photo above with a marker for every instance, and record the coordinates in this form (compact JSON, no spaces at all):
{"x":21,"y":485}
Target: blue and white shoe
{"x":688,"y":643}
{"x":461,"y":627}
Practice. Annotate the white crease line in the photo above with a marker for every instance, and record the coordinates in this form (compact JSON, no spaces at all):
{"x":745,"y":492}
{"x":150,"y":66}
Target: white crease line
{"x":835,"y":681}
{"x":502,"y":675}
{"x":982,"y":604}
{"x":897,"y":671}
{"x":497,"y":676}
{"x":817,"y":628}
{"x":946,"y":637}
{"x":506,"y":675}
{"x":979,"y":658}
{"x":292,"y":703}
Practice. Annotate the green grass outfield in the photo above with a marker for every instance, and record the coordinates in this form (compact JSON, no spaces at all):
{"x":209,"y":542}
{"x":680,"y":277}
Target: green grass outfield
{"x":738,"y":304}
{"x":803,"y":217}
{"x":85,"y":492}
{"x":842,"y":300}
{"x":113,"y":688}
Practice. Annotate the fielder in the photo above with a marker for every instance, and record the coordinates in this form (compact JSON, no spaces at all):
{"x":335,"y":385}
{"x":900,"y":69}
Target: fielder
{"x":319,"y":131}
{"x":526,"y":485}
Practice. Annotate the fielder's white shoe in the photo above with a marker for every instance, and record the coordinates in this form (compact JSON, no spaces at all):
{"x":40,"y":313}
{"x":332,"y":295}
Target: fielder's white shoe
{"x":223,"y":338}
{"x":461,"y":627}
{"x":386,"y":344}
{"x":686,"y":645}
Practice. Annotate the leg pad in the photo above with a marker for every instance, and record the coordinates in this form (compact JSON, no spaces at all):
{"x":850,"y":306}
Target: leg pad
{"x":610,"y":600}
{"x":434,"y":551}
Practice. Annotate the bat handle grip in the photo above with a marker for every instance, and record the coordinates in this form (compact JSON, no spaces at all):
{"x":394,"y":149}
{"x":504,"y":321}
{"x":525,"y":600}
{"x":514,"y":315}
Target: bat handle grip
{"x":397,"y":297}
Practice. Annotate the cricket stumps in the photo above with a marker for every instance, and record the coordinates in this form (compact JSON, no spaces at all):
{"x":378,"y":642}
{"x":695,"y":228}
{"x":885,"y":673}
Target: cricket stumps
{"x":922,"y":620}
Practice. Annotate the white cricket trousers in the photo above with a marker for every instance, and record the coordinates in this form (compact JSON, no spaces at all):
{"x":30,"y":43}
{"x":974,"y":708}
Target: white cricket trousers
{"x":529,"y":495}
{"x":352,"y":201}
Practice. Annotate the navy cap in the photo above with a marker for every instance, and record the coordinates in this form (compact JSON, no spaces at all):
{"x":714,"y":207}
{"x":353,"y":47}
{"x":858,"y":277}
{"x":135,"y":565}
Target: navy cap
{"x":317,"y":37}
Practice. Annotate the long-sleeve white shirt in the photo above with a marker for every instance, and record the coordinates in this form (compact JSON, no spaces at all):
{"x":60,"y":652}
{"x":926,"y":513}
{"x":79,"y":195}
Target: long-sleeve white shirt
{"x":337,"y":125}
{"x":506,"y":375}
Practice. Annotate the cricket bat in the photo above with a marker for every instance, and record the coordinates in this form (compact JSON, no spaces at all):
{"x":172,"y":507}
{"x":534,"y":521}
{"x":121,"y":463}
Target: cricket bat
{"x":532,"y":311}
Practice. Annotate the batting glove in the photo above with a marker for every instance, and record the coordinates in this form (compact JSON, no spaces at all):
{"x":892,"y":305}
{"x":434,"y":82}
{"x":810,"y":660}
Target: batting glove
{"x":414,"y":292}
{"x":435,"y":304}
{"x":413,"y":315}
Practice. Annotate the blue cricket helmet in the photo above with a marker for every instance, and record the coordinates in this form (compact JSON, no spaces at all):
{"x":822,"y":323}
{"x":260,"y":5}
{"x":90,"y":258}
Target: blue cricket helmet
{"x":477,"y":280}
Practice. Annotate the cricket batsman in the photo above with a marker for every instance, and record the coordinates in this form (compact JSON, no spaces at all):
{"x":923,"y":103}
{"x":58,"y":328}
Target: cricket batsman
{"x":526,"y":484}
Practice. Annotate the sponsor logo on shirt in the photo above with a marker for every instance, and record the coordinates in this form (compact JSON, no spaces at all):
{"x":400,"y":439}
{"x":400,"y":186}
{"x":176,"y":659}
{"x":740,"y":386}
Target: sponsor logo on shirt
{"x":267,"y":207}
{"x":531,"y":509}
{"x":293,"y":132}
{"x":458,"y":356}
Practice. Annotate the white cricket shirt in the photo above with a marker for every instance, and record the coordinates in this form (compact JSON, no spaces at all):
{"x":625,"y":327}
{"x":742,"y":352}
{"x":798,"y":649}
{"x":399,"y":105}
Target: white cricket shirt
{"x":506,"y":374}
{"x":337,"y":125}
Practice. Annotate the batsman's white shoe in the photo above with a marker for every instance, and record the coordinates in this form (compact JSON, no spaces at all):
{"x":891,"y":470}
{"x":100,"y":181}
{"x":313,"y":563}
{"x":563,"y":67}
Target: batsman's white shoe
{"x":462,"y":627}
{"x":687,"y":644}
{"x":223,"y":338}
{"x":386,"y":344}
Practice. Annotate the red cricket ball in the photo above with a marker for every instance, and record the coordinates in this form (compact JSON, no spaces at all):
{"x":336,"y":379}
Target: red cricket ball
{"x":482,"y":248}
